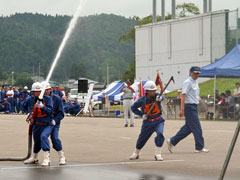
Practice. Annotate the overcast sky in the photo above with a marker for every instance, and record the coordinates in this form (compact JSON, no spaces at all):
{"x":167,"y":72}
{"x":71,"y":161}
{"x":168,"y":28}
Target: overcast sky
{"x":127,"y":8}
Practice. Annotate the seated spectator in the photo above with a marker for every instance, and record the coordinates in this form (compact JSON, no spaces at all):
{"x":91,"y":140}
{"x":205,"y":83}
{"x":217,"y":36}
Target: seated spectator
{"x":230,"y":103}
{"x":6,"y":107}
{"x":222,"y":106}
{"x":74,"y":110}
{"x":222,"y":100}
{"x":67,"y":106}
{"x":237,"y":90}
{"x":217,"y":96}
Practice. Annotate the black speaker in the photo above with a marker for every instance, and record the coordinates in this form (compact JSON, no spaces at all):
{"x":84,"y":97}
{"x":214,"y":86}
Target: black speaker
{"x":82,"y":86}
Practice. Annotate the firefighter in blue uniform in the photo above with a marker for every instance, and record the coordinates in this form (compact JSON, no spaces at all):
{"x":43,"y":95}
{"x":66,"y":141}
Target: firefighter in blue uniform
{"x":74,"y":110}
{"x":18,"y":101}
{"x":43,"y":124}
{"x":58,"y":115}
{"x":3,"y":94}
{"x":152,"y":122}
{"x":22,"y":96}
{"x":65,"y":106}
{"x":15,"y":100}
{"x":6,"y":107}
{"x":57,"y":91}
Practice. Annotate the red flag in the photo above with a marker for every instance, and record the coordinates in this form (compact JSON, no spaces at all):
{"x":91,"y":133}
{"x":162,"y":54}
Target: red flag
{"x":158,"y":83}
{"x":141,"y":91}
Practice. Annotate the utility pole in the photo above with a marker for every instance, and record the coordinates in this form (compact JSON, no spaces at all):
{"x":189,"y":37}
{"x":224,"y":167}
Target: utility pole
{"x":39,"y":71}
{"x":12,"y":78}
{"x":107,"y":74}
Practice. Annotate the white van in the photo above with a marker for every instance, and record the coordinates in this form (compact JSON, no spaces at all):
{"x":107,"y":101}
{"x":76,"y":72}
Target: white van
{"x":73,"y":94}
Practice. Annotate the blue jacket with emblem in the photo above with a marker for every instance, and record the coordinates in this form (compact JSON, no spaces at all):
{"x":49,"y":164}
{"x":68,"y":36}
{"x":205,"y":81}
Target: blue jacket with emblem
{"x":145,"y":103}
{"x":43,"y":115}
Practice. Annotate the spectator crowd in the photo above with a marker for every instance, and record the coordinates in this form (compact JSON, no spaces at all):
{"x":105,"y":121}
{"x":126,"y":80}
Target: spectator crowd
{"x":13,"y":99}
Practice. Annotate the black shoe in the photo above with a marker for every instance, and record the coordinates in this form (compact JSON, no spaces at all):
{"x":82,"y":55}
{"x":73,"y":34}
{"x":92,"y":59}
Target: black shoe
{"x":126,"y":125}
{"x":131,"y":125}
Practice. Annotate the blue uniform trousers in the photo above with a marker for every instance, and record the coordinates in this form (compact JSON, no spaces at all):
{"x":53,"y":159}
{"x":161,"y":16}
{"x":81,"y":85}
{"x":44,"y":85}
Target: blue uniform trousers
{"x":148,"y":128}
{"x":14,"y":105}
{"x":40,"y":137}
{"x":10,"y":100}
{"x":192,"y":125}
{"x":20,"y":105}
{"x":57,"y":145}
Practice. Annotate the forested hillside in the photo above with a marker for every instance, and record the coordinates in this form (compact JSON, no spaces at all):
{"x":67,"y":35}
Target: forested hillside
{"x":29,"y":40}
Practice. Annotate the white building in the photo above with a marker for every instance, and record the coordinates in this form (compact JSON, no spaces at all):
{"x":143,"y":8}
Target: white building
{"x":173,"y":46}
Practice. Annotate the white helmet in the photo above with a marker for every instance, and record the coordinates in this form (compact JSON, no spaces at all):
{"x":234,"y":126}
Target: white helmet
{"x":48,"y":86}
{"x":25,"y":87}
{"x":36,"y":86}
{"x":150,"y":85}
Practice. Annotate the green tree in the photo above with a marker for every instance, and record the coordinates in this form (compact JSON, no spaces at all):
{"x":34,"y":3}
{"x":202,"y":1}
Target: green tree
{"x":78,"y":71}
{"x":3,"y":74}
{"x":187,"y":9}
{"x":24,"y":79}
{"x":27,"y":40}
{"x":129,"y":73}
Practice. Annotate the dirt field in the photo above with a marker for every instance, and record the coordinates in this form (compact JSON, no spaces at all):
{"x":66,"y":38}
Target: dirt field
{"x":105,"y":143}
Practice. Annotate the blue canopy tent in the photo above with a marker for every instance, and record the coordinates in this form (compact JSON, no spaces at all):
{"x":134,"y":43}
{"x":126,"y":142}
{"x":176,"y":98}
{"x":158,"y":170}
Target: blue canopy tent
{"x":228,"y":67}
{"x":118,"y":95}
{"x":115,"y":86}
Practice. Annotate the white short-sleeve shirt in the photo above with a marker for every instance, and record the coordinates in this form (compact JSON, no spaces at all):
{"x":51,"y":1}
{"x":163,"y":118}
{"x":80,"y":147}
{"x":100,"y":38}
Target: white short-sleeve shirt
{"x":191,"y":90}
{"x":10,"y":92}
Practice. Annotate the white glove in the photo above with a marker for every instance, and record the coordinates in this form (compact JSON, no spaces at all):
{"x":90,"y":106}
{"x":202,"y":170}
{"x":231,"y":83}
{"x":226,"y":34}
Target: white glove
{"x":159,"y":98}
{"x":53,"y":122}
{"x":145,"y":116}
{"x":40,"y":105}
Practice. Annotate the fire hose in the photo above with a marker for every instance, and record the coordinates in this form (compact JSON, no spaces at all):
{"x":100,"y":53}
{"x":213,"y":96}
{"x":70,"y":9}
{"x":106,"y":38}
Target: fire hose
{"x":29,"y":148}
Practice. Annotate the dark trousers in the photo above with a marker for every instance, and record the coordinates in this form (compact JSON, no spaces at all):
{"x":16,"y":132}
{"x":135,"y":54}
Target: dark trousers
{"x":14,"y":105}
{"x":148,"y":128}
{"x":57,"y":145}
{"x":40,"y":137}
{"x":192,"y":125}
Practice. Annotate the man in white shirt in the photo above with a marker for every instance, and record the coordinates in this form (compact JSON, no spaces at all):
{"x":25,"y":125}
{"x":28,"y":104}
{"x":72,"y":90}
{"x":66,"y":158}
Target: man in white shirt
{"x":189,"y":101}
{"x":127,"y":103}
{"x":9,"y":95}
{"x":237,"y":90}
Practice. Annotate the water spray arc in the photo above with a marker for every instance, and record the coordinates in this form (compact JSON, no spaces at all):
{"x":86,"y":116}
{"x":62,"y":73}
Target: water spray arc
{"x":63,"y":43}
{"x":71,"y":26}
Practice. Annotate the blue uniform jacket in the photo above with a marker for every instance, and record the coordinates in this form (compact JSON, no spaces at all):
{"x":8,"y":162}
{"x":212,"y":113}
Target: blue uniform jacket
{"x":3,"y":95}
{"x":16,"y":95}
{"x":58,"y":111}
{"x":145,"y":105}
{"x":44,"y":114}
{"x":58,"y":92}
{"x":23,"y":95}
{"x":69,"y":106}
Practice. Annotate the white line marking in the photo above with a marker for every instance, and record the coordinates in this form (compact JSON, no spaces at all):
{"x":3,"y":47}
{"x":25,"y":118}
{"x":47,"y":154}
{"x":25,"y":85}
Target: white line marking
{"x":125,"y":137}
{"x":215,"y":130}
{"x":97,"y":164}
